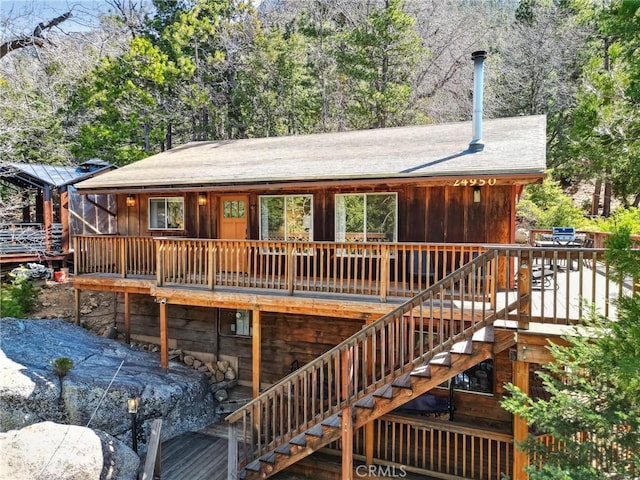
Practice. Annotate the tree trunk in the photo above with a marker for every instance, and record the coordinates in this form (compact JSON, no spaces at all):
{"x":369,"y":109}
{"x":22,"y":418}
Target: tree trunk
{"x":595,"y":203}
{"x":606,"y":205}
{"x":169,"y":137}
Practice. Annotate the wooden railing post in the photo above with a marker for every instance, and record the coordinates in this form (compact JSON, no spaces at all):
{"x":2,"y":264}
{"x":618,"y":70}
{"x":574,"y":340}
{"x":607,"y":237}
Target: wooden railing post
{"x":232,"y":453}
{"x":123,"y":257}
{"x":159,"y":262}
{"x":291,"y":268}
{"x":385,"y":254}
{"x":524,"y":296}
{"x":211,"y":250}
{"x":152,"y":462}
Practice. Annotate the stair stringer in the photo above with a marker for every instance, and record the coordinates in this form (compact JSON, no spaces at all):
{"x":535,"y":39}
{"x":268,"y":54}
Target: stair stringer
{"x":275,"y":461}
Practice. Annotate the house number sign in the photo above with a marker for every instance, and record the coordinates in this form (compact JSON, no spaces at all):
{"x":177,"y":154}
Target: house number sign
{"x":473,"y":182}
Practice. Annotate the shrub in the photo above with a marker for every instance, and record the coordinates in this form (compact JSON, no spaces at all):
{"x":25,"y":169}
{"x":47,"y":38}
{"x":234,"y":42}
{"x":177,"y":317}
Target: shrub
{"x":62,"y":366}
{"x":626,"y":219}
{"x":545,"y":206}
{"x":18,"y":298}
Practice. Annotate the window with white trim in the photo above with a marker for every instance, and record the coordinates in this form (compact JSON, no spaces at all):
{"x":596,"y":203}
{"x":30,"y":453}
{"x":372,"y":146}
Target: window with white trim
{"x":366,"y":217}
{"x":286,"y":217}
{"x":166,"y":213}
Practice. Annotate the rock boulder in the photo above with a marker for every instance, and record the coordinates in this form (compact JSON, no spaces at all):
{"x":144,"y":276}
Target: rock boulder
{"x":94,"y":393}
{"x":65,"y":452}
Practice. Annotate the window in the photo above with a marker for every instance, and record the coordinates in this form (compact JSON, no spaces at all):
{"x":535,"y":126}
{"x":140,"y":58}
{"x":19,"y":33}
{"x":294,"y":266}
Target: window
{"x":286,"y":217}
{"x":367,"y":217}
{"x":233,"y":209}
{"x":166,"y":213}
{"x":476,"y":379}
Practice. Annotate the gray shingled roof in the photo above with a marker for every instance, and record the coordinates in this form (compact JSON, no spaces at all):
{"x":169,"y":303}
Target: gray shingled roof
{"x":513,"y":146}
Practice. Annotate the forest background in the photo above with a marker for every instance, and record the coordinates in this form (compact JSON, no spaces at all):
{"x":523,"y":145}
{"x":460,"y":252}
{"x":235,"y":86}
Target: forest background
{"x":120,"y":80}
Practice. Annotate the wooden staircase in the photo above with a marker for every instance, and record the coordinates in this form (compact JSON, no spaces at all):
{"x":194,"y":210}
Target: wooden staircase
{"x":366,"y":376}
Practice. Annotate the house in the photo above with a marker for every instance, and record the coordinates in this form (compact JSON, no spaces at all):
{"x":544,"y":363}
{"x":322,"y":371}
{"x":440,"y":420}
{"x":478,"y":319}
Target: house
{"x":51,"y":213}
{"x":381,"y":262}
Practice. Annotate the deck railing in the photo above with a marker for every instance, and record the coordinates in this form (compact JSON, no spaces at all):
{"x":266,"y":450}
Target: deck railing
{"x":565,"y":283}
{"x":114,"y":255}
{"x":343,"y":268}
{"x":392,"y":346}
{"x":432,"y":447}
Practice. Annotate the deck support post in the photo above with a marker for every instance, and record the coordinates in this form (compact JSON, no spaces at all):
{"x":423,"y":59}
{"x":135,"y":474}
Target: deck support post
{"x":127,"y":325}
{"x":256,"y":352}
{"x":368,"y":443}
{"x":347,"y":444}
{"x":64,"y":219}
{"x":520,"y":427}
{"x":76,"y":295}
{"x":164,"y":335}
{"x":48,"y":220}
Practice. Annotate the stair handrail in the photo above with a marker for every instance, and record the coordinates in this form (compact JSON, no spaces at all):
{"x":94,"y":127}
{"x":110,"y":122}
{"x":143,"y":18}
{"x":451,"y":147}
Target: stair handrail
{"x":304,"y":384}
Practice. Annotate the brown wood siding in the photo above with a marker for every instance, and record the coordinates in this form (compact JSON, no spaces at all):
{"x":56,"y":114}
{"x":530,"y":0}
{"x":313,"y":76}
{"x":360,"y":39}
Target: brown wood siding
{"x":435,"y":214}
{"x":498,"y":214}
{"x":476,"y":221}
{"x":287,"y":338}
{"x":431,"y":214}
{"x":415,"y":204}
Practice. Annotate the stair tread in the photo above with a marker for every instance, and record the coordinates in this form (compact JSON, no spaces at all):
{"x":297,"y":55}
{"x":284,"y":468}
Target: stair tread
{"x":253,"y":466}
{"x":269,"y":458}
{"x":366,"y":402}
{"x":464,"y":347}
{"x":422,"y":371}
{"x":403,"y":381}
{"x":384,"y":392}
{"x":299,"y":440}
{"x":443,"y":358}
{"x":316,"y":431}
{"x":284,"y":449}
{"x":485,"y":334}
{"x":332,"y":421}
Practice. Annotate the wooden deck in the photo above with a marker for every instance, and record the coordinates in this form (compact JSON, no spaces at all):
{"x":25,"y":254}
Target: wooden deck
{"x":194,"y":456}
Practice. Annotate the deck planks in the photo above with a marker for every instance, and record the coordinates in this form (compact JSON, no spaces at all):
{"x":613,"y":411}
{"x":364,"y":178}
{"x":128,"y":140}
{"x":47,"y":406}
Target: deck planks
{"x":194,"y":456}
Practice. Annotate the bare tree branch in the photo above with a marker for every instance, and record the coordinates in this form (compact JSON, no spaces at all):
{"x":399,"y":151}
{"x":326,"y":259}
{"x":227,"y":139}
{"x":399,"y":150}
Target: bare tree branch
{"x":36,"y":39}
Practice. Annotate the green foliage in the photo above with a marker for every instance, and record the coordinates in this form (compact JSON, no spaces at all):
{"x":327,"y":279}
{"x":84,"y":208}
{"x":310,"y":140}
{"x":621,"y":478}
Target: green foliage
{"x":62,"y":366}
{"x":604,"y":124}
{"x":376,"y":60}
{"x":17,"y":298}
{"x":276,"y":94}
{"x":627,"y":219}
{"x":593,"y":408}
{"x":546,"y":206}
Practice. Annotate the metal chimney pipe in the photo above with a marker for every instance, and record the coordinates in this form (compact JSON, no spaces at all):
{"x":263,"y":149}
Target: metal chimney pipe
{"x":478,"y":57}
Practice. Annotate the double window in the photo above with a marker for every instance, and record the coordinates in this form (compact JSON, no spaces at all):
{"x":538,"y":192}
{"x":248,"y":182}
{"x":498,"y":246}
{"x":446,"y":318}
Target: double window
{"x":366,"y":217}
{"x":286,"y":217}
{"x":166,"y":213}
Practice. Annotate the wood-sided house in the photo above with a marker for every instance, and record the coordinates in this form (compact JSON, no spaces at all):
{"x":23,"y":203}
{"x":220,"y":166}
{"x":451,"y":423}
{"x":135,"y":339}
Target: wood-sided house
{"x":271,"y":252}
